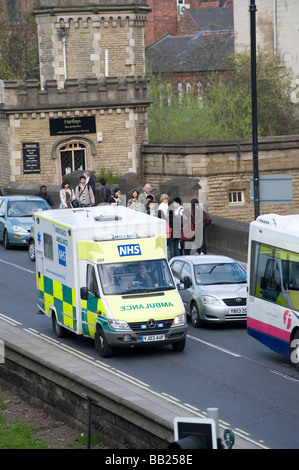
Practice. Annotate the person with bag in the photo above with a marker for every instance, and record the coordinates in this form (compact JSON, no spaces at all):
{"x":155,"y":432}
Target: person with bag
{"x":84,"y":194}
{"x":66,"y":195}
{"x":176,"y":224}
{"x":188,"y":232}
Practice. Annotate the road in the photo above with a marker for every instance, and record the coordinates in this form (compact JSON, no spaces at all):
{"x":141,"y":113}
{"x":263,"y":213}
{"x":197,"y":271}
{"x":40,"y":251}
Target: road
{"x":254,"y":389}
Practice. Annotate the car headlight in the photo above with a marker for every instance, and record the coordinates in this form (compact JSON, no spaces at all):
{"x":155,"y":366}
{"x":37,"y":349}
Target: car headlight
{"x":179,"y":320}
{"x":18,"y":228}
{"x":118,"y":324}
{"x":210,"y":300}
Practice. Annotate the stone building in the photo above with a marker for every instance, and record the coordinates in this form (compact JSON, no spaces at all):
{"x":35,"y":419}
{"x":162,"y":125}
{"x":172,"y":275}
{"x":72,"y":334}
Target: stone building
{"x":276,"y":29}
{"x":89,"y":109}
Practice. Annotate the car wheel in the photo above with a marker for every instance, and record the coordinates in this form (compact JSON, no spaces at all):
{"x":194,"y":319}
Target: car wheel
{"x":195,"y":319}
{"x":179,"y":346}
{"x":31,"y":250}
{"x":58,"y":329}
{"x":101,"y":344}
{"x":6,"y":241}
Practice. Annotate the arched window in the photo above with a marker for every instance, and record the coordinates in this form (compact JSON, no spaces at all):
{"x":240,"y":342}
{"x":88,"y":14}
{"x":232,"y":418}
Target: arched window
{"x":72,"y":157}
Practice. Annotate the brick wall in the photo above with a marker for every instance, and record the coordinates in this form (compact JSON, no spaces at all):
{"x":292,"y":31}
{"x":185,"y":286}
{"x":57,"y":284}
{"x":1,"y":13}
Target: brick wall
{"x":224,"y":166}
{"x":162,"y":19}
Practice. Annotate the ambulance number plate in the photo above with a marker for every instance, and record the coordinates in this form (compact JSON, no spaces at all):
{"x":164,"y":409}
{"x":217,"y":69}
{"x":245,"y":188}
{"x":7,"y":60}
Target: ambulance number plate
{"x":152,"y":338}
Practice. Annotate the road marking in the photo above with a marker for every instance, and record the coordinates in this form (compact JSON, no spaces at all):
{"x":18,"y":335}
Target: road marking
{"x":10,"y":320}
{"x":226,"y":351}
{"x":17,"y":266}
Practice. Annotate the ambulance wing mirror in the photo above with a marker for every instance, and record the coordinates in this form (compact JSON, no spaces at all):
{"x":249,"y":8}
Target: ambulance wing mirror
{"x":84,"y":293}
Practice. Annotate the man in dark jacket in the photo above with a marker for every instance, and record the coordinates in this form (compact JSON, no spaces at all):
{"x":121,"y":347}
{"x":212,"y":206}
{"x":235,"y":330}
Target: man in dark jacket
{"x":106,"y":193}
{"x":43,"y":194}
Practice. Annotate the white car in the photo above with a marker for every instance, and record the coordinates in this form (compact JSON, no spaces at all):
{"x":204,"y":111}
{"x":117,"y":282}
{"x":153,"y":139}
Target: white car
{"x":213,"y":288}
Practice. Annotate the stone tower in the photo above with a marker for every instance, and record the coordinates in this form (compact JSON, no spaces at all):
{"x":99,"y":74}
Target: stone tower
{"x":89,"y":110}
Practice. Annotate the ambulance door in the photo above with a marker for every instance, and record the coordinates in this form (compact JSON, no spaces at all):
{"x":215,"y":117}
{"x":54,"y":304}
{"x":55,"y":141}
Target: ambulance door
{"x":39,"y":278}
{"x":93,"y":305}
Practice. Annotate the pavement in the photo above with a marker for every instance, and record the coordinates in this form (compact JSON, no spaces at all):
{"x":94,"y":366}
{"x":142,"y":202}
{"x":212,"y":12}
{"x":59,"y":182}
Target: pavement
{"x":100,"y":374}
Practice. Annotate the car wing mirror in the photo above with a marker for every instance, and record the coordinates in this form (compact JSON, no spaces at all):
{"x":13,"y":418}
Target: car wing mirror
{"x":186,"y":282}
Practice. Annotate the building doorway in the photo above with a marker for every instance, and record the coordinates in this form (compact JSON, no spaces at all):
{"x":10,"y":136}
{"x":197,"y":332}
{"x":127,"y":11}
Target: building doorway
{"x":72,"y":157}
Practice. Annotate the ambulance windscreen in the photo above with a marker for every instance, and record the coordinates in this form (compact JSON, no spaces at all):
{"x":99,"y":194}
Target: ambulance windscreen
{"x":135,"y":277}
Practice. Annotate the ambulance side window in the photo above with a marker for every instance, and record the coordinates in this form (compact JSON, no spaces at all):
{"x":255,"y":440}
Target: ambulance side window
{"x":92,"y":284}
{"x":48,"y":246}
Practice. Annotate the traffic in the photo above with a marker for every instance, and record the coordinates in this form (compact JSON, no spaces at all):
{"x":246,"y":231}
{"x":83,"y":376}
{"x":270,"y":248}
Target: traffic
{"x":221,"y":365}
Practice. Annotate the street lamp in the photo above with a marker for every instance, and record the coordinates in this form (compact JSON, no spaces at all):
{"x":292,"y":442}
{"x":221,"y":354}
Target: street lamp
{"x":252,"y":10}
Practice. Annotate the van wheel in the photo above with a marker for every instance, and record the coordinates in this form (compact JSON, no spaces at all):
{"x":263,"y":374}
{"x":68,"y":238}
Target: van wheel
{"x":195,"y":319}
{"x":179,"y":346}
{"x":101,"y":344}
{"x":58,"y":329}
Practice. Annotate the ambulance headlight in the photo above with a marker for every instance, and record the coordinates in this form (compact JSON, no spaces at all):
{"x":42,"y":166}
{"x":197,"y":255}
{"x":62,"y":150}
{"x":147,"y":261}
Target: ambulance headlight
{"x":179,"y":320}
{"x":119,"y":325}
{"x":18,"y":228}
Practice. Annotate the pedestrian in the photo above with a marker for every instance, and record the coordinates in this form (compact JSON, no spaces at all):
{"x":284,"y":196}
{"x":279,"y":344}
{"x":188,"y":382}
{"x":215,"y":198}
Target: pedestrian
{"x":67,"y":195}
{"x":202,"y":220}
{"x":84,"y":194}
{"x":115,"y":199}
{"x":176,"y":224}
{"x":149,"y":198}
{"x":105,"y":190}
{"x":133,"y":201}
{"x":44,"y":195}
{"x":147,"y":190}
{"x":163,"y":206}
{"x":188,"y":233}
{"x":90,"y":182}
{"x":151,"y":208}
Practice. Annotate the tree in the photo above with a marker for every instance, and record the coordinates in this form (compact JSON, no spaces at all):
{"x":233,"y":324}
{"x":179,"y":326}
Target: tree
{"x":19,"y":48}
{"x":226,"y":111}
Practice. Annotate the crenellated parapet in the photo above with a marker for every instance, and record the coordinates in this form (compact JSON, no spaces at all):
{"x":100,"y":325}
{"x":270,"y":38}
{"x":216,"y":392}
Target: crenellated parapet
{"x":90,"y":92}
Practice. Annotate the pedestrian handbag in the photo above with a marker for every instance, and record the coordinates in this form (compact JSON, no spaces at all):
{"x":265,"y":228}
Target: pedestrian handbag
{"x":75,"y":203}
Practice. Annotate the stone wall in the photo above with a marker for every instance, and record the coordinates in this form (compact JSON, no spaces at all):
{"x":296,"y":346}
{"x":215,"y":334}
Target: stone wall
{"x":223,"y":166}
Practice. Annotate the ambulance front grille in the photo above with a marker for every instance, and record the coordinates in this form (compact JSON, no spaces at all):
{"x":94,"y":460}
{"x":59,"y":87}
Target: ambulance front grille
{"x":151,"y":325}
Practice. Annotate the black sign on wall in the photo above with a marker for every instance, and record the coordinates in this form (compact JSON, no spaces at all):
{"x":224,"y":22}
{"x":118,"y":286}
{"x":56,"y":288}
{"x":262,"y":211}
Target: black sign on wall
{"x":31,"y":158}
{"x":73,"y":125}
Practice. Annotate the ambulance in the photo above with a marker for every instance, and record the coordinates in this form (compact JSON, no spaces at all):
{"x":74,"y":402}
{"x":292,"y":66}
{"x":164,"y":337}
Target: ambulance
{"x":102,"y":272}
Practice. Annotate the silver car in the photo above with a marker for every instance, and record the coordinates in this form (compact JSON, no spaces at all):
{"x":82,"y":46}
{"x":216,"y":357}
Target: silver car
{"x":212,"y":288}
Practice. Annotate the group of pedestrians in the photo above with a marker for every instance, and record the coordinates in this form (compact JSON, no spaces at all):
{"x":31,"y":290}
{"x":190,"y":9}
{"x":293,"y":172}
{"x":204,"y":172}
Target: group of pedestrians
{"x":185,"y":228}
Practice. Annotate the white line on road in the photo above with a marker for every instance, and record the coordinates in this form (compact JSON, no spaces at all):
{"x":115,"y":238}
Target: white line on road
{"x":226,"y":351}
{"x":17,"y":266}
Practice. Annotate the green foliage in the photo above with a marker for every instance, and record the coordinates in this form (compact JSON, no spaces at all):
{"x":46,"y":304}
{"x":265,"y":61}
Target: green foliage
{"x":109,"y":176}
{"x":19,"y":436}
{"x":19,"y":48}
{"x":225,"y":112}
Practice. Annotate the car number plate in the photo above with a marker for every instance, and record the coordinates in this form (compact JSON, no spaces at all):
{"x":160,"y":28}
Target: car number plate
{"x":152,"y":338}
{"x":238,"y":310}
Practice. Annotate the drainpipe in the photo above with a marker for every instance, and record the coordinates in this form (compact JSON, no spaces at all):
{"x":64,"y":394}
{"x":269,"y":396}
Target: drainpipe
{"x":275,"y":26}
{"x":62,"y":33}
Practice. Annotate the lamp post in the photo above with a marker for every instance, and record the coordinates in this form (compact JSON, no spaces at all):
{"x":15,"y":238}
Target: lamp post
{"x":252,"y":10}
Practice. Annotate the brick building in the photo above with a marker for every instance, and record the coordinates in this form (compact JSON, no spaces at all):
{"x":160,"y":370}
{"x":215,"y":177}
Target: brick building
{"x":89,"y":109}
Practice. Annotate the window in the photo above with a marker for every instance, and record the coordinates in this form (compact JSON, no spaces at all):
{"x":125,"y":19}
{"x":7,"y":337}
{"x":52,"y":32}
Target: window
{"x":133,"y":277}
{"x":236,"y":197}
{"x":275,"y":275}
{"x":200,"y":94}
{"x":48,"y":246}
{"x":92,"y":283}
{"x":72,"y":158}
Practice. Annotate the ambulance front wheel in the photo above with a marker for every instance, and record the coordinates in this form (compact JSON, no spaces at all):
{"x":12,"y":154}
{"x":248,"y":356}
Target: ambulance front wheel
{"x":179,"y":346}
{"x":58,"y":329}
{"x":101,"y":344}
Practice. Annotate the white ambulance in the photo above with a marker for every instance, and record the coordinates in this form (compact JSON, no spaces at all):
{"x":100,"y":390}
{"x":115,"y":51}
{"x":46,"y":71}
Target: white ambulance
{"x":102,"y":272}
